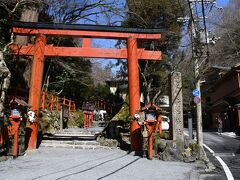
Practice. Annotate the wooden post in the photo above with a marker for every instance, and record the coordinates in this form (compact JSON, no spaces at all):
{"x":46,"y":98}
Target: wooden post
{"x":61,"y":118}
{"x":86,"y":42}
{"x":104,"y":105}
{"x":74,"y":107}
{"x":134,"y":92}
{"x":69,"y":105}
{"x":15,"y":122}
{"x":35,"y":88}
{"x":15,"y":143}
{"x":150,"y":139}
{"x":51,"y":103}
{"x":133,"y":76}
{"x":57,"y":108}
{"x":43,"y":99}
{"x":64,"y":100}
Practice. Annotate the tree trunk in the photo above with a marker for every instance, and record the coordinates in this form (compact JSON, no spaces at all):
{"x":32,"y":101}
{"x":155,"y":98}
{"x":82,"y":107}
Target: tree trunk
{"x":29,"y":14}
{"x":4,"y":83}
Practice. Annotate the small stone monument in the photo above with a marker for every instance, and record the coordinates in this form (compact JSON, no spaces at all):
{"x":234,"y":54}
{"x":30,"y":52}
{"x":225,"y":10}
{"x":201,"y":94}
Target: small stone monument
{"x":177,"y":109}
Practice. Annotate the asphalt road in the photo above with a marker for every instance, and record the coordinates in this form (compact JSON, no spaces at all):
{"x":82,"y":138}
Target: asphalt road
{"x":228,"y":149}
{"x":61,"y":163}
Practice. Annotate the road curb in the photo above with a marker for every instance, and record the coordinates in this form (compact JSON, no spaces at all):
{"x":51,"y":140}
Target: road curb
{"x":194,"y":175}
{"x":206,"y":168}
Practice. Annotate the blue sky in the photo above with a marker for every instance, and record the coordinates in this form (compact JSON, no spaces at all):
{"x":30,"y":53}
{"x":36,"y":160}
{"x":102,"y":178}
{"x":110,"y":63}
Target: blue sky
{"x":222,"y":2}
{"x":110,"y":44}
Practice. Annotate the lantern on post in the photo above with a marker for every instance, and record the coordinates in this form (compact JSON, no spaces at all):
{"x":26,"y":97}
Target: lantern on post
{"x":149,"y":118}
{"x":18,"y":110}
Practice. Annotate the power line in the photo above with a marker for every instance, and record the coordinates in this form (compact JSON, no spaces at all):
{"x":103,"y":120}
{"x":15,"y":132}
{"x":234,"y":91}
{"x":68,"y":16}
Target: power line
{"x":191,"y":15}
{"x":205,"y":27}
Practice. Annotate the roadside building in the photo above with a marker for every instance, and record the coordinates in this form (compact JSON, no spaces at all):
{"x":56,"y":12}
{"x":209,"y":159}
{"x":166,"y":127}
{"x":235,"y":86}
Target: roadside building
{"x":222,"y":99}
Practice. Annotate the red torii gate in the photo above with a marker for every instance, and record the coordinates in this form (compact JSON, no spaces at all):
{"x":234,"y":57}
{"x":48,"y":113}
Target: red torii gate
{"x":40,"y":49}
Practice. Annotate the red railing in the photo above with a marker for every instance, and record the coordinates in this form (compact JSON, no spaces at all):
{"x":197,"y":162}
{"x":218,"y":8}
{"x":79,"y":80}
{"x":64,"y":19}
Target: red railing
{"x":102,"y":104}
{"x":53,"y":102}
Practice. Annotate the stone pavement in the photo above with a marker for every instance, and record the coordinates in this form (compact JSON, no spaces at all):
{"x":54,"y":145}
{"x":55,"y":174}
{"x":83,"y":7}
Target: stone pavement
{"x":60,"y":163}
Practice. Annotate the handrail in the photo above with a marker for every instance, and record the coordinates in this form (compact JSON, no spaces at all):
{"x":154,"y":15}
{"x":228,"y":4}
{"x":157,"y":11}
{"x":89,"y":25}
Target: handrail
{"x":53,"y":102}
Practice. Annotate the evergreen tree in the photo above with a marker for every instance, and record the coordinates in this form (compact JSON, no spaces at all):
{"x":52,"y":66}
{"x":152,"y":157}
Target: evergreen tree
{"x":156,"y":14}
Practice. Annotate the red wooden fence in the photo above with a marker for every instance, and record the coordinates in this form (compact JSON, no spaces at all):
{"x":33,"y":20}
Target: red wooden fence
{"x":53,"y":102}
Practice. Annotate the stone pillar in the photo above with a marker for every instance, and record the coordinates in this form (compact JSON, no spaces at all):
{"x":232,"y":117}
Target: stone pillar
{"x":177,"y":109}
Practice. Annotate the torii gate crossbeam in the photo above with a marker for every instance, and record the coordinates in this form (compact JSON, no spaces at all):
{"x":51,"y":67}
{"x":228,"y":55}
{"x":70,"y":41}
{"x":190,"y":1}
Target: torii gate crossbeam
{"x":40,"y":49}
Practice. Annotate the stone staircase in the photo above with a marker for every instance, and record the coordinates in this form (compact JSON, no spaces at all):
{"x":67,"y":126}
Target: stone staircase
{"x":100,"y":123}
{"x":78,"y":138}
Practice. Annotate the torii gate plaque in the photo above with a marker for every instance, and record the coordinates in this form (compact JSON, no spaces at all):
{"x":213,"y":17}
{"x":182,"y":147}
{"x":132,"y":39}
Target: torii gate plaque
{"x":40,"y":49}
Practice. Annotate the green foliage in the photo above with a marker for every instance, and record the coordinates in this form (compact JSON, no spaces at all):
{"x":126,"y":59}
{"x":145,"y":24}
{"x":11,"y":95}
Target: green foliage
{"x":99,"y":91}
{"x":123,"y":114}
{"x":161,"y":14}
{"x":165,"y":135}
{"x":157,"y":14}
{"x":68,"y":76}
{"x":49,"y":122}
{"x":75,"y":119}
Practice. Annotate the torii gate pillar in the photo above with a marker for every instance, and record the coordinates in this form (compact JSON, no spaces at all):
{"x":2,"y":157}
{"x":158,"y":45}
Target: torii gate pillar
{"x":35,"y":87}
{"x":134,"y":92}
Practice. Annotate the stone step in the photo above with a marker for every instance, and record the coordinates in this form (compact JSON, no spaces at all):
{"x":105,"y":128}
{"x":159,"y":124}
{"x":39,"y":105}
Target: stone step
{"x":68,"y":137}
{"x":73,"y":146}
{"x":125,"y":134}
{"x":73,"y":142}
{"x":100,"y":123}
{"x":78,"y":138}
{"x":74,"y":135}
{"x":92,"y":130}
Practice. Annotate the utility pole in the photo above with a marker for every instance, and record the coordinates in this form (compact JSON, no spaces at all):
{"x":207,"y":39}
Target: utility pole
{"x":196,"y":48}
{"x":198,"y":106}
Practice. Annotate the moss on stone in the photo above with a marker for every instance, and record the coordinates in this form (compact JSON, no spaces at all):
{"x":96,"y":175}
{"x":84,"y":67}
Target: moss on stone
{"x":50,"y":121}
{"x":123,"y":114}
{"x":75,"y":119}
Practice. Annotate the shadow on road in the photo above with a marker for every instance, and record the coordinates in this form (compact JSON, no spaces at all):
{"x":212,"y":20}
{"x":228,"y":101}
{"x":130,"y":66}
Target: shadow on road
{"x":119,"y":169}
{"x":67,"y":169}
{"x":91,"y":167}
